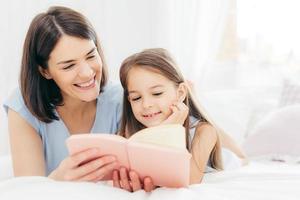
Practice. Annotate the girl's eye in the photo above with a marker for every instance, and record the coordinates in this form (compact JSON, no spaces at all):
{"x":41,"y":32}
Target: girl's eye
{"x":135,"y":99}
{"x":157,"y":93}
{"x":68,"y":67}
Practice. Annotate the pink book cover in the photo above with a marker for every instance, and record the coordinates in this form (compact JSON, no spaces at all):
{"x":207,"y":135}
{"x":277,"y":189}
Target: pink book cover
{"x":167,"y":166}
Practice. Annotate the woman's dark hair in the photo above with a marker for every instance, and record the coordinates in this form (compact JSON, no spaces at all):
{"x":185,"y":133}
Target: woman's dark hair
{"x":41,"y":96}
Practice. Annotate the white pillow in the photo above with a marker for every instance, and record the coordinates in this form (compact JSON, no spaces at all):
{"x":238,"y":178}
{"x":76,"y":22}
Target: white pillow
{"x":290,"y":94}
{"x":277,"y":134}
{"x":6,"y":171}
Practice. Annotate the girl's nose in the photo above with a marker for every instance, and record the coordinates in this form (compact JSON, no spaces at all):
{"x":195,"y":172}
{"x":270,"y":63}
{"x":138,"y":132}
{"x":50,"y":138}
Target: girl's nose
{"x":147,"y":103}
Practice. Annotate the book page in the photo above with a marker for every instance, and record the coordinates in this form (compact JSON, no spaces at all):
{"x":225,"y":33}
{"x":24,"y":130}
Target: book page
{"x":171,"y":135}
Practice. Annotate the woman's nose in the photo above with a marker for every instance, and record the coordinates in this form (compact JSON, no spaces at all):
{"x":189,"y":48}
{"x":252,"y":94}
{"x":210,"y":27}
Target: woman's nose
{"x":86,"y":70}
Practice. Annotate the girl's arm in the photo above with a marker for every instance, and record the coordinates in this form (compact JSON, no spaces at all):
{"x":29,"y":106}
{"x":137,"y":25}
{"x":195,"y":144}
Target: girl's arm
{"x":229,"y":143}
{"x":203,"y":143}
{"x":28,"y":158}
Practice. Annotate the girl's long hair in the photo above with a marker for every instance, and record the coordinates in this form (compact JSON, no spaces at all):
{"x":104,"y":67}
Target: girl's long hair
{"x":159,"y":60}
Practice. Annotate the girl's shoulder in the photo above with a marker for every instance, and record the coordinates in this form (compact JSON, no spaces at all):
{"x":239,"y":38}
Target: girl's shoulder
{"x":207,"y":131}
{"x":201,"y":129}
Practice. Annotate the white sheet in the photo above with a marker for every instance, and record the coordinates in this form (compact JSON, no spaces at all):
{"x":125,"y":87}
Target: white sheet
{"x":258,"y":180}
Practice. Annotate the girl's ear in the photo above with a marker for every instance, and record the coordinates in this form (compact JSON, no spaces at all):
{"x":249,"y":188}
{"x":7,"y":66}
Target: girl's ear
{"x":182,"y":92}
{"x":45,"y":73}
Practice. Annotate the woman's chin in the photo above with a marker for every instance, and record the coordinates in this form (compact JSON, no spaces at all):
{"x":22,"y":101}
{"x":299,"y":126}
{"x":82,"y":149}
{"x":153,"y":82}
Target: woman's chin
{"x":90,"y":97}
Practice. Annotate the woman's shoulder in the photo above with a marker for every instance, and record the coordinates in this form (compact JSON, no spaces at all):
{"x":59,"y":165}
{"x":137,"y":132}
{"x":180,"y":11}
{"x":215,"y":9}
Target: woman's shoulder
{"x":109,"y":108}
{"x":16,"y":103}
{"x":112,"y":92}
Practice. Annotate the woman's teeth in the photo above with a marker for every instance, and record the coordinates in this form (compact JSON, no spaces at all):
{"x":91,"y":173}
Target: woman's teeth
{"x":86,"y":84}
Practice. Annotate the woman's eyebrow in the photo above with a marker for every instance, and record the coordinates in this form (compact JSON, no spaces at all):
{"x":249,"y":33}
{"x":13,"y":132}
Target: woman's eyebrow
{"x":91,"y":51}
{"x":72,"y":60}
{"x":65,"y":62}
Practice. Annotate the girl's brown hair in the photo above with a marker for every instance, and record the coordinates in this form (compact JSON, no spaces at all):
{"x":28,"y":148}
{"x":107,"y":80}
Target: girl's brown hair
{"x":41,"y":96}
{"x":159,"y":60}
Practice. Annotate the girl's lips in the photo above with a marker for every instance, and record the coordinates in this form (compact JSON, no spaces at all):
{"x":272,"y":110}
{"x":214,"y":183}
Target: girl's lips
{"x":151,"y":115}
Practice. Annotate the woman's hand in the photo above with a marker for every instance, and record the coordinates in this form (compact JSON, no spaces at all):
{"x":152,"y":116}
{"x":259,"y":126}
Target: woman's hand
{"x":72,"y":169}
{"x":179,"y":113}
{"x":130,"y":181}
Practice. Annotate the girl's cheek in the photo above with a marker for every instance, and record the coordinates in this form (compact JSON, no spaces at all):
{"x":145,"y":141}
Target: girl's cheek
{"x":168,"y":111}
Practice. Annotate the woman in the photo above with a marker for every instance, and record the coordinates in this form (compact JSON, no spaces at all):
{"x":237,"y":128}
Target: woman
{"x":63,"y":91}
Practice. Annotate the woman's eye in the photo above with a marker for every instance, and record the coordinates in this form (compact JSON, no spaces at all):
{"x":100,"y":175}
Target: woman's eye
{"x":90,"y":57}
{"x":157,"y":93}
{"x":68,"y":67}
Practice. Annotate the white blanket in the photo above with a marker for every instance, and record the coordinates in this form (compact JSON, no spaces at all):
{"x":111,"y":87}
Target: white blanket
{"x":256,"y":181}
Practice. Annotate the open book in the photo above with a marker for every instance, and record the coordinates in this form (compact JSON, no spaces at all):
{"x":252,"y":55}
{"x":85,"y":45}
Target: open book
{"x":158,"y":152}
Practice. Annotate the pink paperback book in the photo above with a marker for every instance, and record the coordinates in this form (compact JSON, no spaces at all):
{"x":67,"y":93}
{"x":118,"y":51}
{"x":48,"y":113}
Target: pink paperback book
{"x":158,"y":152}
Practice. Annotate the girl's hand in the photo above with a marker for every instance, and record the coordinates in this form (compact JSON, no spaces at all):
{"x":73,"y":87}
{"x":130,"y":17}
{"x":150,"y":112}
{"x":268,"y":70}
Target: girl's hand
{"x":179,"y":113}
{"x":131,"y":181}
{"x":72,"y":169}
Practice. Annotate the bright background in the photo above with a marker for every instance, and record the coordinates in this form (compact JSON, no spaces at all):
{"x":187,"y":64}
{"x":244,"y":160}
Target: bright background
{"x":242,"y":55}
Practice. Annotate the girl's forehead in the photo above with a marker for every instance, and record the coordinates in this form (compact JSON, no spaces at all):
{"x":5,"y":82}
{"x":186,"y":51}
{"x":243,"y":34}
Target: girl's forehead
{"x":137,"y":72}
{"x":141,"y":78}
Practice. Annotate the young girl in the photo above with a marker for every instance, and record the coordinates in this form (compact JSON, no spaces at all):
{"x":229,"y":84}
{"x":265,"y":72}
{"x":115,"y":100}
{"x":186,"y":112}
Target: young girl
{"x":155,"y":93}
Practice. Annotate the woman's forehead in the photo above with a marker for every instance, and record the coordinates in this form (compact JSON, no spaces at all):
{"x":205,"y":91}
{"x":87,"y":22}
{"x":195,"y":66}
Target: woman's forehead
{"x":71,"y":48}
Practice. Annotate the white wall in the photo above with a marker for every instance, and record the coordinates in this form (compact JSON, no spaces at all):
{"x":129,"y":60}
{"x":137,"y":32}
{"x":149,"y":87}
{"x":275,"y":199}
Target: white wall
{"x":122,"y":30}
{"x":124,"y":27}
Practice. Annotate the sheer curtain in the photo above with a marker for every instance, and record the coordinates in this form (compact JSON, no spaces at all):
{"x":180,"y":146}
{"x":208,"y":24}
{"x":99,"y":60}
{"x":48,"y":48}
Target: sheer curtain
{"x":191,"y":30}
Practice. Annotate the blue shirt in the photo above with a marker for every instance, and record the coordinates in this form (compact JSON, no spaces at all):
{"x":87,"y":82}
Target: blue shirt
{"x":54,"y":134}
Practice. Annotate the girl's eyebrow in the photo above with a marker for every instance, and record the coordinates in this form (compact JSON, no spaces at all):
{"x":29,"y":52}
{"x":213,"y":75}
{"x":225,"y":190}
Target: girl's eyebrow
{"x":152,"y":87}
{"x":156,"y":86}
{"x":69,"y":61}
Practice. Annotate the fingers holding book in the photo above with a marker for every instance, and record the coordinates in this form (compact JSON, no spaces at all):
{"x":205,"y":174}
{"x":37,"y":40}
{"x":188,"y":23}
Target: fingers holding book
{"x":131,"y":181}
{"x":88,"y":165}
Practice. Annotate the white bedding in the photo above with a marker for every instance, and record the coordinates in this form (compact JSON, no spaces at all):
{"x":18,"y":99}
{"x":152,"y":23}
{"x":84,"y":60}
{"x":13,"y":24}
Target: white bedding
{"x":258,"y":180}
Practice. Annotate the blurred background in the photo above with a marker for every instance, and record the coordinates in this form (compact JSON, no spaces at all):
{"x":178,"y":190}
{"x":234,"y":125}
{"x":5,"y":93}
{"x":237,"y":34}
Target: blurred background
{"x":243,"y":56}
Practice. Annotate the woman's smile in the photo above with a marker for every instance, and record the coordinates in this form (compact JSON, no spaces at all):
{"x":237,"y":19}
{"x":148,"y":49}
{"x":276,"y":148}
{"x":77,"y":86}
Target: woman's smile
{"x":86,"y":85}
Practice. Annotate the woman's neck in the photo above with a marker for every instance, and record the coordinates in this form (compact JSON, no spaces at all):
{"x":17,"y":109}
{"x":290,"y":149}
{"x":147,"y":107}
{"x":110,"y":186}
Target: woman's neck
{"x":78,"y":116}
{"x":76,"y":107}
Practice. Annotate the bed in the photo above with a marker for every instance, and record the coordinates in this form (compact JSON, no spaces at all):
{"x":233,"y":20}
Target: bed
{"x":259,"y":179}
{"x":272,"y":177}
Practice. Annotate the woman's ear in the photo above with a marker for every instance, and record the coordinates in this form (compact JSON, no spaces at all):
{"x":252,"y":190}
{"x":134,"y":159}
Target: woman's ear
{"x":45,"y":73}
{"x":182,"y":92}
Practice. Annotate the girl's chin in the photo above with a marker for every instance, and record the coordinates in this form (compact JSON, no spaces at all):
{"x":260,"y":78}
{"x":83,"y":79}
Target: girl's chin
{"x":148,"y":125}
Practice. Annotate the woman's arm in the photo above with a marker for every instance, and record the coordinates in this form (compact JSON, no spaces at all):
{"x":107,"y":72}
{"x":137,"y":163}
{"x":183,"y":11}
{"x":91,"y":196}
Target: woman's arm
{"x":28,"y":158}
{"x":26,"y":147}
{"x":203,"y":143}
